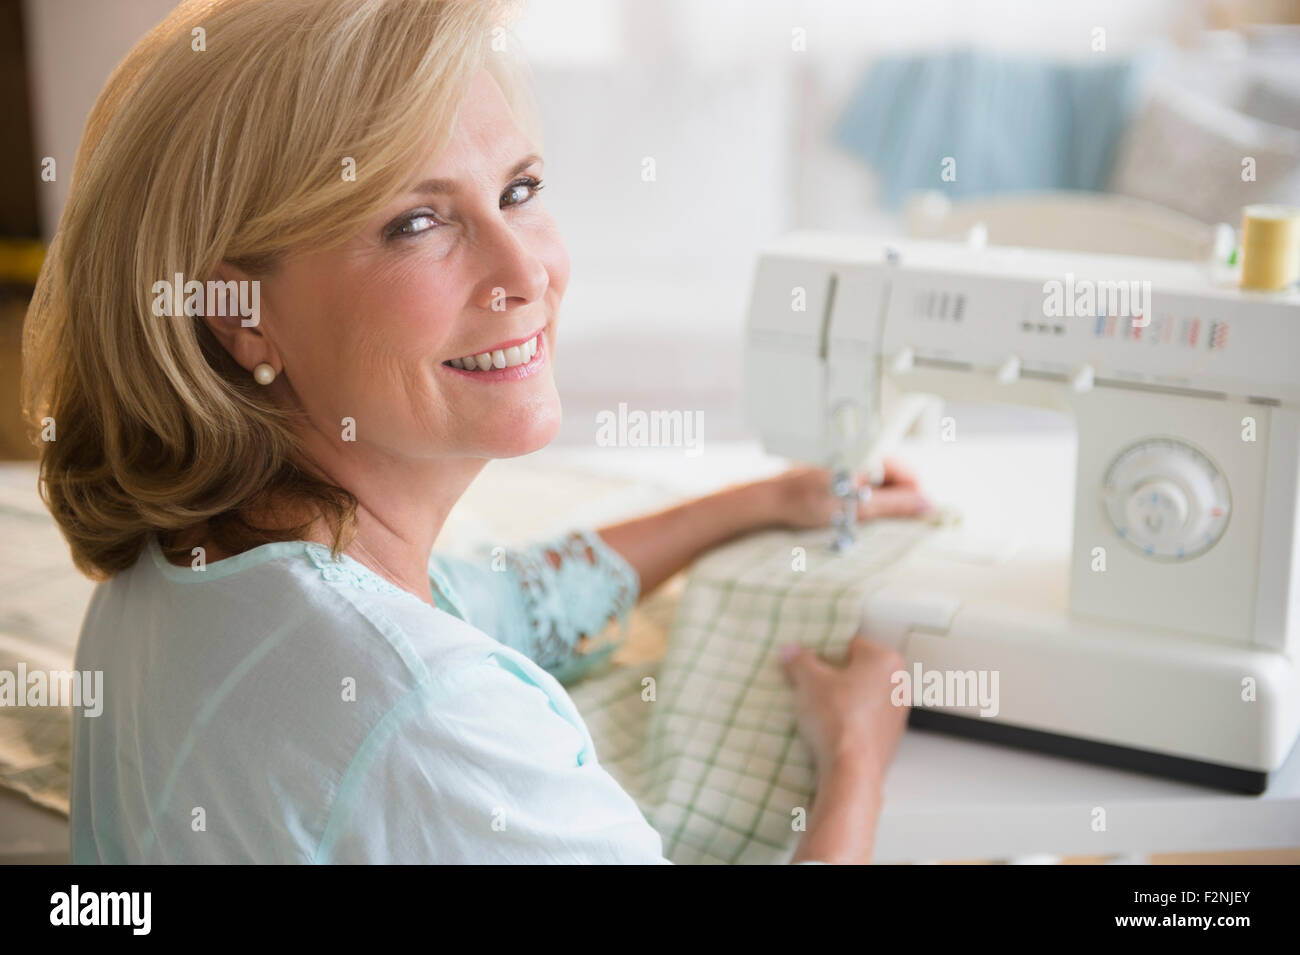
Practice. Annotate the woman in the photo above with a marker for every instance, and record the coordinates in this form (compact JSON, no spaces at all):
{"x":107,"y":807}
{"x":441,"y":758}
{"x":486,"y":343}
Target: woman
{"x":289,"y":675}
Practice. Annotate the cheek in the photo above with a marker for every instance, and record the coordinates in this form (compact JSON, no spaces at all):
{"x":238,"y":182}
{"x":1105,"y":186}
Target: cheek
{"x":361,"y":337}
{"x":384,"y":326}
{"x":408,"y":307}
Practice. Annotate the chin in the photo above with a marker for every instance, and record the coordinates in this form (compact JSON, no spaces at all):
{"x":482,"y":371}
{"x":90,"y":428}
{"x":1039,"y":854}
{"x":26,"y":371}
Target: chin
{"x":527,"y":431}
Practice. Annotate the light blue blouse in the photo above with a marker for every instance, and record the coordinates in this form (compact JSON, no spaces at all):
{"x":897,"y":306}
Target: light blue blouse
{"x":280,"y":706}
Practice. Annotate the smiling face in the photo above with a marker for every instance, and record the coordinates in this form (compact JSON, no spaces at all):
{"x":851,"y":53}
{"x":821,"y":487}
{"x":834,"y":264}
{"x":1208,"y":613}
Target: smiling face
{"x":468,"y":262}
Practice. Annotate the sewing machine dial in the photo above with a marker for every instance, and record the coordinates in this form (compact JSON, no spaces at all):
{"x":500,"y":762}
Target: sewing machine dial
{"x":1167,"y":499}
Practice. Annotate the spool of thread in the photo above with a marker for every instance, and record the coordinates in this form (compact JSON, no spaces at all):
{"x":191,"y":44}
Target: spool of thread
{"x":1270,"y":247}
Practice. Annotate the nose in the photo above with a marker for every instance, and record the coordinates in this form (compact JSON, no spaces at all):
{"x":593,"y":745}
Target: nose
{"x":513,"y":274}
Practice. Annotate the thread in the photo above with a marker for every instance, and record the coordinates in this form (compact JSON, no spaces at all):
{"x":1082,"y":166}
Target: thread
{"x":1270,"y":245}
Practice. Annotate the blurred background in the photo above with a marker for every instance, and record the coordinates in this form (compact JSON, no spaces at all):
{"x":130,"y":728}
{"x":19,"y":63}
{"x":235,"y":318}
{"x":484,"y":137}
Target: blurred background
{"x":1113,"y":125}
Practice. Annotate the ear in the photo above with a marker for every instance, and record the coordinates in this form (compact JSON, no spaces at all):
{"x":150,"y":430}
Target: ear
{"x":241,"y":329}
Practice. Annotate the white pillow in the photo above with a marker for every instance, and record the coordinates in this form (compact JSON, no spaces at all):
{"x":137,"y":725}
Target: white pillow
{"x":1273,"y":102}
{"x":1188,"y":153}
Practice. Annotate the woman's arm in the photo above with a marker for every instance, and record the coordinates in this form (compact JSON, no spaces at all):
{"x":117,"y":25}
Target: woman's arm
{"x":845,"y":810}
{"x":659,"y":545}
{"x":848,"y":716}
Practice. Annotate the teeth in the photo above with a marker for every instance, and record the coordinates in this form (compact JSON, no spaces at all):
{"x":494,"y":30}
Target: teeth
{"x":501,"y":358}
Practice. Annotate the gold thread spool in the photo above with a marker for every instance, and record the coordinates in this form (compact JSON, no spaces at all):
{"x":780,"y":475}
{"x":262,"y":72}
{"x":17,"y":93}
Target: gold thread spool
{"x":1270,"y":247}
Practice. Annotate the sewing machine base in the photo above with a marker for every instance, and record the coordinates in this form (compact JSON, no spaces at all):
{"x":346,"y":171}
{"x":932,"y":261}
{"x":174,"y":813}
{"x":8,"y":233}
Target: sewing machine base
{"x":1228,"y":778}
{"x":1157,"y":702}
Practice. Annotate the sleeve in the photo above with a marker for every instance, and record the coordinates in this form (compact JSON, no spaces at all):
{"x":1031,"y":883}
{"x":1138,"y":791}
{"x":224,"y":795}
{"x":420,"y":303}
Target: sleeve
{"x":484,"y":766}
{"x":549,"y":600}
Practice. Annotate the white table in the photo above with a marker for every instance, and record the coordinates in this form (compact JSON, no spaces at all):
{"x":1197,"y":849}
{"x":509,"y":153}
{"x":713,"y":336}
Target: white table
{"x":953,"y":799}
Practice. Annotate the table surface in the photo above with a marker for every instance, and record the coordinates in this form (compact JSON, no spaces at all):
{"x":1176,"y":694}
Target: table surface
{"x":955,"y":799}
{"x":945,"y":798}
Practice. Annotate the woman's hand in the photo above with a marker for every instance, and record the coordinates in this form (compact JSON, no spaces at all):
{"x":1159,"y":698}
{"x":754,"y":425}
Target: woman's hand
{"x":661,"y":544}
{"x":847,"y":716}
{"x":846,"y":712}
{"x":804,"y":498}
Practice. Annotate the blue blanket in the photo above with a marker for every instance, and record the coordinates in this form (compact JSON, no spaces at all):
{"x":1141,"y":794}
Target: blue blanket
{"x":1011,"y":125}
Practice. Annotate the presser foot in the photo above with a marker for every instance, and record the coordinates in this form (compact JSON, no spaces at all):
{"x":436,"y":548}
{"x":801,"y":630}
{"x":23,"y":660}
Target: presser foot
{"x":844,"y":521}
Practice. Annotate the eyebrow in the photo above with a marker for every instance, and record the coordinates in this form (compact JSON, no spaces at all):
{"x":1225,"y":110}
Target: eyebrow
{"x":433,"y":187}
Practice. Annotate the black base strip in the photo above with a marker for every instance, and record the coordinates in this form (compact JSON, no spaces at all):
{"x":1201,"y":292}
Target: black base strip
{"x":1230,"y":778}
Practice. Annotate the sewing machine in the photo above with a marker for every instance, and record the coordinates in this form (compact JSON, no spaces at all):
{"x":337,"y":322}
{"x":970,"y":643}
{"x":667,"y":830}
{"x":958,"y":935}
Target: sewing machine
{"x":1165,"y":636}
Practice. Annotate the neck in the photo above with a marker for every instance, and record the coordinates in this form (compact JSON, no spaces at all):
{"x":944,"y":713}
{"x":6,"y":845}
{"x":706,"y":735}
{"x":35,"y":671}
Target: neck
{"x":402,"y":504}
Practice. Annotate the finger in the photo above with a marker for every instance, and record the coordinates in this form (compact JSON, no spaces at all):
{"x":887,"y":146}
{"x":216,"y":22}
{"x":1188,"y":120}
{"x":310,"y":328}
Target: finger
{"x":898,"y":473}
{"x":790,"y":657}
{"x":864,"y":650}
{"x":894,"y":502}
{"x":798,"y":663}
{"x":858,"y":646}
{"x":892,"y":474}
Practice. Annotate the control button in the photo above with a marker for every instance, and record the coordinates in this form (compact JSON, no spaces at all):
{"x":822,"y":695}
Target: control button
{"x":1167,"y":498}
{"x":903,"y":361}
{"x":1009,"y":371}
{"x":1159,"y":507}
{"x":1083,"y":377}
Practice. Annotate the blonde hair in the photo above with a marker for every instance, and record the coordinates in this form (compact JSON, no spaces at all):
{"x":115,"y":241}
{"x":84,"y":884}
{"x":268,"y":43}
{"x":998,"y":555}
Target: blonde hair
{"x":223,"y":136}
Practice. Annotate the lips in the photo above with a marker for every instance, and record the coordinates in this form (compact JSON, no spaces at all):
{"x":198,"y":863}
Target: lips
{"x":507,"y":356}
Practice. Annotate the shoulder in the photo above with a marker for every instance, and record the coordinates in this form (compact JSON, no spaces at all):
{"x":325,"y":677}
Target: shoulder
{"x":488,"y":763}
{"x":287,"y":596}
{"x":254,"y":690}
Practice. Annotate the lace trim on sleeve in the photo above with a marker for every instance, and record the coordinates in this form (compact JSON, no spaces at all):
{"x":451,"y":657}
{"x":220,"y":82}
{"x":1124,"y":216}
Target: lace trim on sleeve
{"x":571,"y":587}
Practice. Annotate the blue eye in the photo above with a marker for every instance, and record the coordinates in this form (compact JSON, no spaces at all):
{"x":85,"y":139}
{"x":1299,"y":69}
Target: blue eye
{"x":535,"y":185}
{"x":410,"y":225}
{"x":420,"y":221}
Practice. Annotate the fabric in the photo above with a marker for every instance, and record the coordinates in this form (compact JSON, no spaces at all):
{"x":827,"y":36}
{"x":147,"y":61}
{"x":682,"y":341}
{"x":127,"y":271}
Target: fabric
{"x":280,"y":706}
{"x":1009,"y":125}
{"x":706,"y":741}
{"x":44,"y":601}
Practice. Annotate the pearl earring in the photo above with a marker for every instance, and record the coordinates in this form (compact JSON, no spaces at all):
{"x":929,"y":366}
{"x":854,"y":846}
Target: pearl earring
{"x":264,"y":374}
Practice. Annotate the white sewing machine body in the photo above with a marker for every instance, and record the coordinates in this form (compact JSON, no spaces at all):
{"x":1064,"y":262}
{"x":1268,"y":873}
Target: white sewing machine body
{"x":1176,"y":649}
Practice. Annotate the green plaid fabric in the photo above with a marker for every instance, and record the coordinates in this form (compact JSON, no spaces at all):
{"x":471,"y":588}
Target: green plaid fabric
{"x":705,"y":740}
